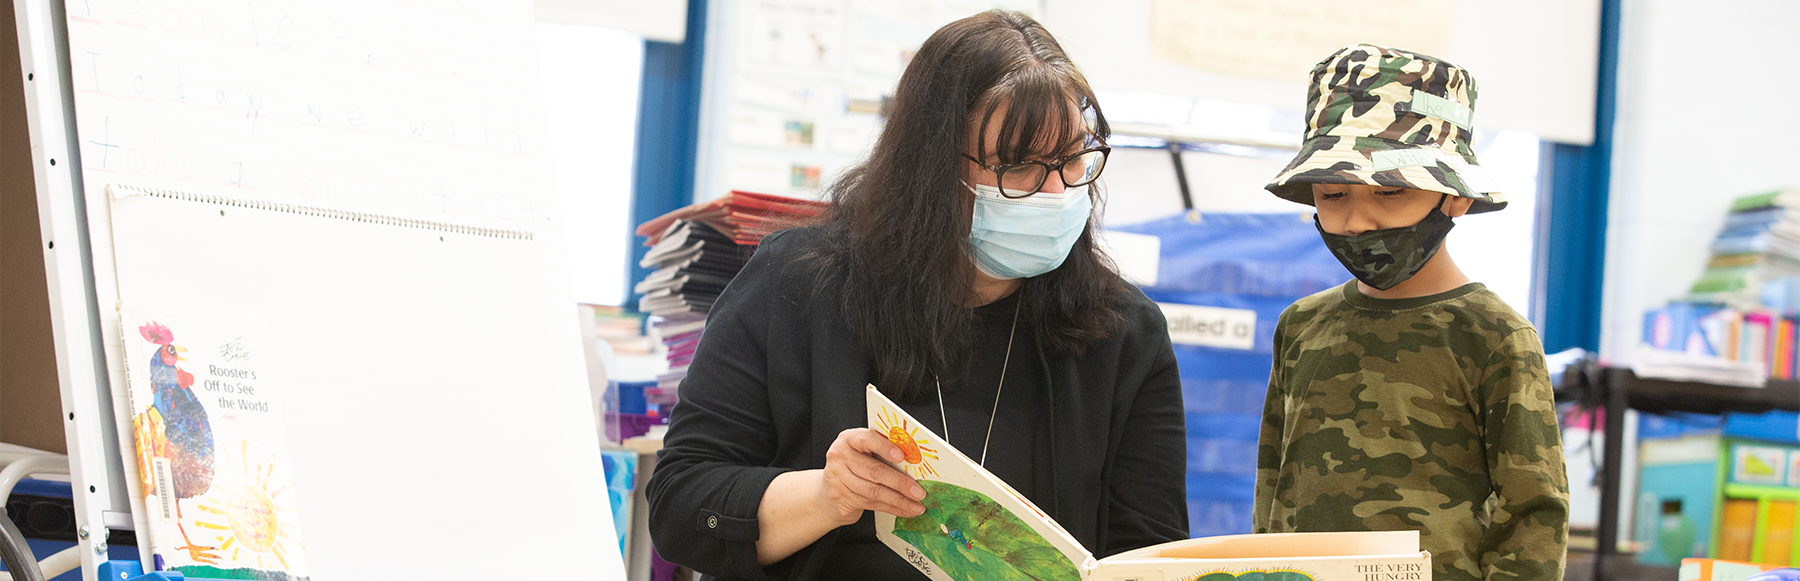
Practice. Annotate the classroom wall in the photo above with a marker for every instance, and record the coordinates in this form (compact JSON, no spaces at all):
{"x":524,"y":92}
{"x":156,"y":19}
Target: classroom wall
{"x":1705,"y":93}
{"x":1140,"y":184}
{"x":29,"y":398}
{"x":1547,"y":91}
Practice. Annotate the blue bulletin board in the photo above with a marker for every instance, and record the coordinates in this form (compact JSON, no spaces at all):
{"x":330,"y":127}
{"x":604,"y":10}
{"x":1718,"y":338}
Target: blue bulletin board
{"x":1246,"y":262}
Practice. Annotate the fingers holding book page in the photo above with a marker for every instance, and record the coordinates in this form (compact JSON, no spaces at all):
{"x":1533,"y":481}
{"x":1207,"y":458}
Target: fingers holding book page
{"x":856,"y":479}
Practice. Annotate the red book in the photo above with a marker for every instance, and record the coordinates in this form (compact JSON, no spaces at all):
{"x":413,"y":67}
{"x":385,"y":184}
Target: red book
{"x":744,"y":216}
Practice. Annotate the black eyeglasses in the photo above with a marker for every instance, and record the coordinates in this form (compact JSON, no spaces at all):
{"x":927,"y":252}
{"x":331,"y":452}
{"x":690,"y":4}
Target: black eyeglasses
{"x":1021,"y":180}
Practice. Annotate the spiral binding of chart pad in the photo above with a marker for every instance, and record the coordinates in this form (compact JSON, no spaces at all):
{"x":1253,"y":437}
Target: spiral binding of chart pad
{"x":122,"y":190}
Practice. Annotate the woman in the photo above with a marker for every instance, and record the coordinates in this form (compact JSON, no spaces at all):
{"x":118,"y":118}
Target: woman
{"x":958,"y":273}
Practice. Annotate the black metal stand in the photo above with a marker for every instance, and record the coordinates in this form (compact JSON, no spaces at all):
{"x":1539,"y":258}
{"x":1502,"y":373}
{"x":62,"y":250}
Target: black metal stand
{"x":1620,"y":389}
{"x":1187,"y":197}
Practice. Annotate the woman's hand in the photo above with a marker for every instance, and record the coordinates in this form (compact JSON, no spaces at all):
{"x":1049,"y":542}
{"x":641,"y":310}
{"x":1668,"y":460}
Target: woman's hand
{"x":800,"y":507}
{"x":855,"y":481}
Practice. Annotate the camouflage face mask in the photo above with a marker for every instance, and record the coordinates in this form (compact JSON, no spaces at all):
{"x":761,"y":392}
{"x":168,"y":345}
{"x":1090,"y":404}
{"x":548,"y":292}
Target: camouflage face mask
{"x":1385,"y":258}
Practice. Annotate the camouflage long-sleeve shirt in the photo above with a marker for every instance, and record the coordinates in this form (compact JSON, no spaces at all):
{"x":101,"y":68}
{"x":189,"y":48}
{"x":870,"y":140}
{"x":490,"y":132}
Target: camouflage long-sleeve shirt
{"x":1431,"y":414}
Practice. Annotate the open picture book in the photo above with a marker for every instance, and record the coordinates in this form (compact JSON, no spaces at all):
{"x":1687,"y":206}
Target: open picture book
{"x":976,"y":528}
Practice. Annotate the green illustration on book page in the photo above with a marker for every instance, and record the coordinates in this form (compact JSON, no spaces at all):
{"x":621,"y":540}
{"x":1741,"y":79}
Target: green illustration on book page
{"x":972,"y":537}
{"x":975,"y":527}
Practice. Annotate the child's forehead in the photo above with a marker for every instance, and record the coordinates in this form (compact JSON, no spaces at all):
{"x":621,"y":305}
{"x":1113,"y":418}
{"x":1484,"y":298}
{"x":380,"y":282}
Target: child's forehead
{"x":1368,"y":189}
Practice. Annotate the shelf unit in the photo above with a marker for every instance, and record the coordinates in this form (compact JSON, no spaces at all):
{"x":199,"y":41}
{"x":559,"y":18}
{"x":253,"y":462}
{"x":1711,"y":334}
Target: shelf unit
{"x":1620,"y":389}
{"x":1763,"y":496}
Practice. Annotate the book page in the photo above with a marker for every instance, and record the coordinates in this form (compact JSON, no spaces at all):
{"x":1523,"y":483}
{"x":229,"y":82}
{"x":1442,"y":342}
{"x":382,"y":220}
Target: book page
{"x":1323,"y":556}
{"x":974,"y":525}
{"x":1286,"y":545}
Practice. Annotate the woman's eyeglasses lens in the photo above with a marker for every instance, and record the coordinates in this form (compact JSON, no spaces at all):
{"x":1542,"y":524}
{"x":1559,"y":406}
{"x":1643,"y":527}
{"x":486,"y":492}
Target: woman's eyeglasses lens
{"x":1084,"y":169}
{"x":1018,"y":181}
{"x":1024,"y":179}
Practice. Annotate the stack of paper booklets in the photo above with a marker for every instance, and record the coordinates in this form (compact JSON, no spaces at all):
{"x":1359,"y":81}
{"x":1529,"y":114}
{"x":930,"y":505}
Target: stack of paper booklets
{"x":1650,"y":362}
{"x":745,"y":217}
{"x":1737,"y":326}
{"x":1759,"y":242}
{"x":696,"y":251}
{"x":693,"y":264}
{"x":977,"y":527}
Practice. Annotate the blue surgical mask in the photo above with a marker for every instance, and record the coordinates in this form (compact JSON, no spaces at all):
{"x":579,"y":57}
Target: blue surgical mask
{"x":1029,"y":236}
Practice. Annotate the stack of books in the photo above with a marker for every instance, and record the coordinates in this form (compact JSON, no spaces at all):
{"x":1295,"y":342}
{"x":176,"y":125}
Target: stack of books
{"x":744,"y":217}
{"x":1738,"y":324}
{"x":696,"y":251}
{"x":693,"y":264}
{"x":622,"y":329}
{"x":1760,"y":242}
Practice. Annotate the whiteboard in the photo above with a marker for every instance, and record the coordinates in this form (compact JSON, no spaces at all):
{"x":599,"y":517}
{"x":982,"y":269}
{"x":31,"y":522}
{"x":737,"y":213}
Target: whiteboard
{"x":372,"y":176}
{"x":423,"y":106}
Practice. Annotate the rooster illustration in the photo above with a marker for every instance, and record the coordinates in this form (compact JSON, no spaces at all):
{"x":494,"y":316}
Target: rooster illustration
{"x":175,"y":427}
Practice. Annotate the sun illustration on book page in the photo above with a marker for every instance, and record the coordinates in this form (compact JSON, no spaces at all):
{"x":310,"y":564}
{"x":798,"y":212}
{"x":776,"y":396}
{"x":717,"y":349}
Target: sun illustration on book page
{"x":917,"y":463}
{"x":254,"y":512}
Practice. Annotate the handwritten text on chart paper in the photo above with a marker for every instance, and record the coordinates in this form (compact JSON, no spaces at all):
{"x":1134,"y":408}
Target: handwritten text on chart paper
{"x":348,"y":101}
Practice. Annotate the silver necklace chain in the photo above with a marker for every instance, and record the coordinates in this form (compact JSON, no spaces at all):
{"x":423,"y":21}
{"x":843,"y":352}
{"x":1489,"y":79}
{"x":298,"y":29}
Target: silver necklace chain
{"x":942,"y":417}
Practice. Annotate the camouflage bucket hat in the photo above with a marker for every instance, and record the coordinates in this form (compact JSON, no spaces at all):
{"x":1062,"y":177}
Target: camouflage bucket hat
{"x":1385,"y":117}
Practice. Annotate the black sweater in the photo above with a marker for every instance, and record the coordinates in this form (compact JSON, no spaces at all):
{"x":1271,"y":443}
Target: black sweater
{"x":779,"y":373}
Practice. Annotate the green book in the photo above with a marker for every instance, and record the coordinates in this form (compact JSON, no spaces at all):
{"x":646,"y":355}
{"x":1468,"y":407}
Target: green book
{"x":1783,"y":198}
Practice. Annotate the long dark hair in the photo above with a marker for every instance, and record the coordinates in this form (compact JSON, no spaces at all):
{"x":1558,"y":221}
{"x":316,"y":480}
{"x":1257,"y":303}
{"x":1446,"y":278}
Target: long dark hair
{"x":900,"y":221}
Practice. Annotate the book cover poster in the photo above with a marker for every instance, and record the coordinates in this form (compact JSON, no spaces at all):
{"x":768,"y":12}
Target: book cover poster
{"x":216,"y":489}
{"x":975,"y":527}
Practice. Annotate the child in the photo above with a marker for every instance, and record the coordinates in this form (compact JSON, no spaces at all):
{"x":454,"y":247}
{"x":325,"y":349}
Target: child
{"x":1409,"y":398}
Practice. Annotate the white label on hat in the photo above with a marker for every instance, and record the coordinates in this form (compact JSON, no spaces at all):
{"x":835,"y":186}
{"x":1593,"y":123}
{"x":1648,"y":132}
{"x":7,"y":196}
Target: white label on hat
{"x":1477,"y":179}
{"x":1425,"y":103}
{"x":1399,"y":158}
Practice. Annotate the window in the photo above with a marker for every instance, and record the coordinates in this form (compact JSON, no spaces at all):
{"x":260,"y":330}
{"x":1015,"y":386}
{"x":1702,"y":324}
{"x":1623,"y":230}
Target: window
{"x":591,"y":78}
